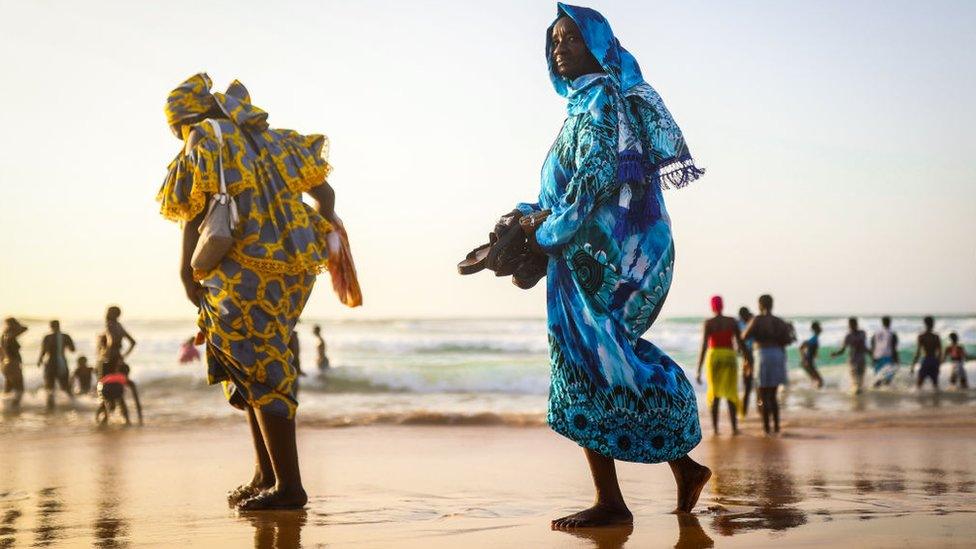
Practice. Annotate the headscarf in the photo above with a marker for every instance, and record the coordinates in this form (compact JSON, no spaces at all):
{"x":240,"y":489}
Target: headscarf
{"x":651,"y":149}
{"x":717,"y":304}
{"x":193,"y":99}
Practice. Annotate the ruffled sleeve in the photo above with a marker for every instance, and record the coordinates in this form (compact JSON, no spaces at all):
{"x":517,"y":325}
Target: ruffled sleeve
{"x":595,"y":177}
{"x":191,"y":176}
{"x":302,"y":160}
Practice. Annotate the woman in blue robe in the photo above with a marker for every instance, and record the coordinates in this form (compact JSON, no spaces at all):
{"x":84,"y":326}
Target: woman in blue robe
{"x":601,"y":220}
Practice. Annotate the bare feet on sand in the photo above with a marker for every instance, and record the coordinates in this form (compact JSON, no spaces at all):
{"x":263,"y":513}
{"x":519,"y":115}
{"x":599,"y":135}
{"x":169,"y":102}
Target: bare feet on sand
{"x":273,"y":499}
{"x":690,"y":477}
{"x":598,"y":515}
{"x":248,"y":490}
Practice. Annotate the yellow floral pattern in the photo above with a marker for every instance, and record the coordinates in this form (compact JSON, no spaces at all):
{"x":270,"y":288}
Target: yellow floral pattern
{"x":248,"y":317}
{"x":255,"y":295}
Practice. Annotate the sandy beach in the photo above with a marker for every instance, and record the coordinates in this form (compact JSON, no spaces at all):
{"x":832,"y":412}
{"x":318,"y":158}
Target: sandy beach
{"x":909,"y":484}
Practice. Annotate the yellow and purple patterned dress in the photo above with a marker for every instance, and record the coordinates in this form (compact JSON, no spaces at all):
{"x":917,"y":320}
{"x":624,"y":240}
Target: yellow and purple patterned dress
{"x":254,"y":297}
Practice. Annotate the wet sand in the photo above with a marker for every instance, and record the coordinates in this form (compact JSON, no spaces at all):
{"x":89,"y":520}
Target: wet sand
{"x":415,"y":486}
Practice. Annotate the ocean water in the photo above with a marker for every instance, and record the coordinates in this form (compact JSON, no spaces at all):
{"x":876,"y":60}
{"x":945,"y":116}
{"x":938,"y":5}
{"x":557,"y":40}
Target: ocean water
{"x":451,"y":371}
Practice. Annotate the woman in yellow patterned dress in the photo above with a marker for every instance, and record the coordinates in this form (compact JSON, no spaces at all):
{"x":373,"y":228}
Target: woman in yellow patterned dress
{"x":250,"y":302}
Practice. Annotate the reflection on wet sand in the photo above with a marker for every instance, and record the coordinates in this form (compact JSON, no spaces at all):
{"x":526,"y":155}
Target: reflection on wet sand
{"x":691,"y":535}
{"x":613,"y":537}
{"x":49,"y":507}
{"x":276,"y":529}
{"x":111,"y":529}
{"x":761,"y":495}
{"x":8,"y":527}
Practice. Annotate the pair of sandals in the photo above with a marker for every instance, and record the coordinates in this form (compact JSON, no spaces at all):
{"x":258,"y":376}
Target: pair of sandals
{"x":509,"y":251}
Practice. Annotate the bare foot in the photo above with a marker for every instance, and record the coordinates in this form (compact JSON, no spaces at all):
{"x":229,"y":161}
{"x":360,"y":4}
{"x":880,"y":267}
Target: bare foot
{"x":275,"y":499}
{"x":691,"y":478}
{"x":247,"y":491}
{"x":598,"y":515}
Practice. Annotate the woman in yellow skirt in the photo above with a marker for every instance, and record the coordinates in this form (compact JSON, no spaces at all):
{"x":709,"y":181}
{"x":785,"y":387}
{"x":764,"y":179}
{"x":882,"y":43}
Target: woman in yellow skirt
{"x":249,"y":303}
{"x":719,"y":334}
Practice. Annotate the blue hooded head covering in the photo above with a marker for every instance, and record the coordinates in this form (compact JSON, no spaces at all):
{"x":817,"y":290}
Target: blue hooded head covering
{"x":651,"y":147}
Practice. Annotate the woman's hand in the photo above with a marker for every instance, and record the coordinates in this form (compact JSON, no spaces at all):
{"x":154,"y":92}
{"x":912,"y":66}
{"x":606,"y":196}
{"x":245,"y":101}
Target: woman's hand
{"x":194,"y":291}
{"x":530,"y":224}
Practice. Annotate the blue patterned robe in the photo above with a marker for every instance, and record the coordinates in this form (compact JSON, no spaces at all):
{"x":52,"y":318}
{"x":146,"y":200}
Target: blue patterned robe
{"x":611,"y":259}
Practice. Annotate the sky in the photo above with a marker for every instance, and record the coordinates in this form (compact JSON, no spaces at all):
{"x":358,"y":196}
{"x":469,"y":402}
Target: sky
{"x":837,"y":136}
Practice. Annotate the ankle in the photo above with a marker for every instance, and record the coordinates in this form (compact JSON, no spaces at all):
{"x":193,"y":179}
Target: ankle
{"x":613,"y":505}
{"x":261,"y":480}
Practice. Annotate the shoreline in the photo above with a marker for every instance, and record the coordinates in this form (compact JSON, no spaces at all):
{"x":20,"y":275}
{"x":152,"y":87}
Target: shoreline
{"x":448,"y":486}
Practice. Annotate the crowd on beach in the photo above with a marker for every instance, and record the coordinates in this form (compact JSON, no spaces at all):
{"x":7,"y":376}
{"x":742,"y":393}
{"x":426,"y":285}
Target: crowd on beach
{"x":761,"y":341}
{"x":108,"y":379}
{"x":110,"y":373}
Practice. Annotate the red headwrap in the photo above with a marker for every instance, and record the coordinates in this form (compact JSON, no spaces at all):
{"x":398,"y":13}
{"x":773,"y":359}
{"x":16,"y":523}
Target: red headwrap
{"x":717,"y":304}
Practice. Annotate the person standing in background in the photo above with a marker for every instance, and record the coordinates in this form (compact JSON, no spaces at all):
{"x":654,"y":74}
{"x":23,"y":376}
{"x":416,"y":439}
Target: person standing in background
{"x":884,"y":352}
{"x":771,"y":335}
{"x":856,"y":342}
{"x":115,"y":336}
{"x":929,"y":349}
{"x":808,"y":355}
{"x":13,"y":374}
{"x":745,"y":315}
{"x":320,"y":348}
{"x":189,"y":352}
{"x":56,"y":366}
{"x":717,"y":351}
{"x":956,"y":354}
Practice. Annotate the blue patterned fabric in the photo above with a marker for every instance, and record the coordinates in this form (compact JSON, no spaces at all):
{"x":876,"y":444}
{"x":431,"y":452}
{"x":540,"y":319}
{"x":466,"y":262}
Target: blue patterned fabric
{"x":611,"y":258}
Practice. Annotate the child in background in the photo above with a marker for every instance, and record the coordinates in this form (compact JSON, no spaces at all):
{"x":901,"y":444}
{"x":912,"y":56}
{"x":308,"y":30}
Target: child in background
{"x":808,"y":355}
{"x":956,"y":355}
{"x":83,"y":374}
{"x":189,"y":352}
{"x":111,"y":393}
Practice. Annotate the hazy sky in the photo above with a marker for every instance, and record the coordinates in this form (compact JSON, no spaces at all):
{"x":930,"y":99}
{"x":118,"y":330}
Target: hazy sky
{"x":838,"y":138}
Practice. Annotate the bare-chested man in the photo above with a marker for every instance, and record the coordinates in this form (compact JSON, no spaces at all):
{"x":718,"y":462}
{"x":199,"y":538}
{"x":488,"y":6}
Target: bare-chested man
{"x":929,"y":349}
{"x":55,"y":363}
{"x":115,"y":338}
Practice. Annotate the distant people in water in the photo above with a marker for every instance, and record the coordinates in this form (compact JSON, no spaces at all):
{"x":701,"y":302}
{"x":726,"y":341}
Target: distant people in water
{"x":808,"y":355}
{"x":114,"y":362}
{"x":322,"y":359}
{"x":745,"y":315}
{"x":83,"y":375}
{"x":929,"y":349}
{"x":111,"y":395}
{"x":13,"y":374}
{"x":721,"y":339}
{"x":956,"y":355}
{"x":856,"y":343}
{"x":189,"y":352}
{"x":55,"y":362}
{"x":771,"y":335}
{"x":884,"y":353}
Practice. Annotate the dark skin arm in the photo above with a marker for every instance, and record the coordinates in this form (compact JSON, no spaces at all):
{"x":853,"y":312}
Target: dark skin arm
{"x":894,"y":348}
{"x":191,"y":233}
{"x":918,"y":354}
{"x":40,"y":359}
{"x":704,"y":348}
{"x":840,"y":351}
{"x":324,"y":196}
{"x":750,"y":328}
